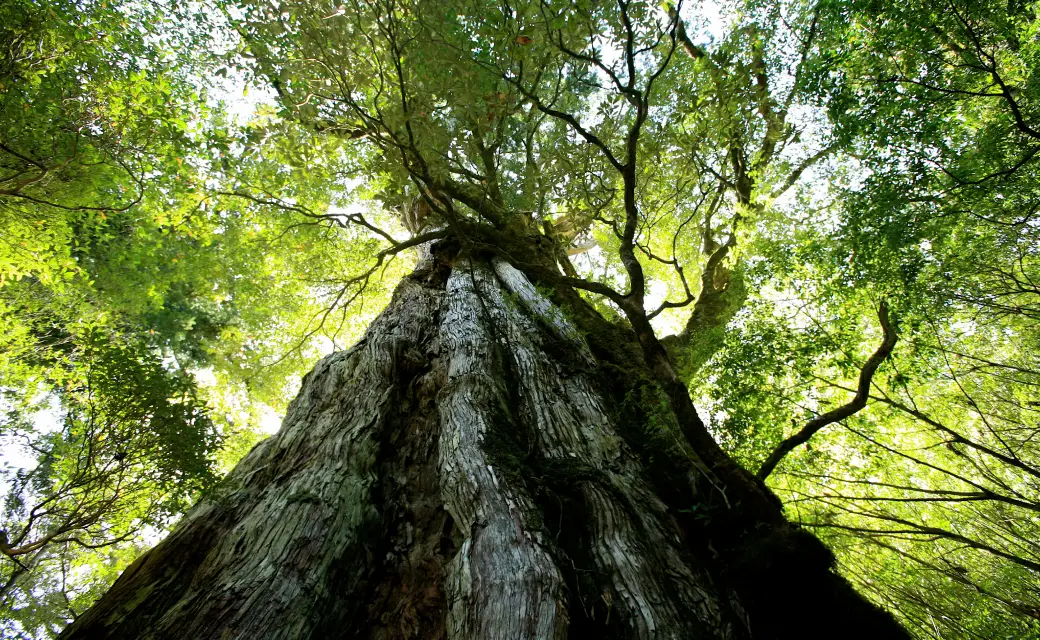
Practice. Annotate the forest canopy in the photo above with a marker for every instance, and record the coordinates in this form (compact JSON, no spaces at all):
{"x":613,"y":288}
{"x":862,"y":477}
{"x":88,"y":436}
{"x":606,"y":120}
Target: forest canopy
{"x":825,"y":210}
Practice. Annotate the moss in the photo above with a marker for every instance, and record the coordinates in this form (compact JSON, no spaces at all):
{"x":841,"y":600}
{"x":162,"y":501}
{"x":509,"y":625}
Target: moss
{"x":128,"y":606}
{"x":706,"y":330}
{"x":637,"y":405}
{"x":507,"y":453}
{"x":647,"y":423}
{"x":567,"y":472}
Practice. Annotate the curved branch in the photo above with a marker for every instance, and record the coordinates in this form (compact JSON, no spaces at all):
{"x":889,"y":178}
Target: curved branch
{"x":866,"y":376}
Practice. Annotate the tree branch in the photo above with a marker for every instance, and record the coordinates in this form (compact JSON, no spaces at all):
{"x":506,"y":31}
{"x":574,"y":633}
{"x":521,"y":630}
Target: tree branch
{"x":846,"y":410}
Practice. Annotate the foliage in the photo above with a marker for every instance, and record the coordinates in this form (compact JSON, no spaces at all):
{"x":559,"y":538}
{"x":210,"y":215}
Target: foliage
{"x":134,"y":447}
{"x":756,"y":183}
{"x":929,"y":495}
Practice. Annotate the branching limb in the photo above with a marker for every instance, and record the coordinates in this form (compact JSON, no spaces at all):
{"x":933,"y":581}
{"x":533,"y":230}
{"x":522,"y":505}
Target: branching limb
{"x":5,"y":548}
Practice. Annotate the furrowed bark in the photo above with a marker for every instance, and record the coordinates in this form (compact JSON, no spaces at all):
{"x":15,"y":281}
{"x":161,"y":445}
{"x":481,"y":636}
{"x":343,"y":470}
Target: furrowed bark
{"x":503,"y":583}
{"x":652,"y":586}
{"x":470,"y":470}
{"x":290,"y":532}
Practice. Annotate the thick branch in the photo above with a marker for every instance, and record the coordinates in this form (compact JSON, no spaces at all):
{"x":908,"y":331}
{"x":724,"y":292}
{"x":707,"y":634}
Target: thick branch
{"x":692,"y":50}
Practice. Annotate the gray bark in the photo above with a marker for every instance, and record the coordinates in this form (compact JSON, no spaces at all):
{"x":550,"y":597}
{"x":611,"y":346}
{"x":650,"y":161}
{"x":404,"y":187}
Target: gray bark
{"x":459,"y":473}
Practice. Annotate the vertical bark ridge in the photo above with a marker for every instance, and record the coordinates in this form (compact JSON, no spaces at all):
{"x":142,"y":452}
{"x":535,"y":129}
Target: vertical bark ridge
{"x":503,"y":582}
{"x":406,"y":596}
{"x":657,"y":591}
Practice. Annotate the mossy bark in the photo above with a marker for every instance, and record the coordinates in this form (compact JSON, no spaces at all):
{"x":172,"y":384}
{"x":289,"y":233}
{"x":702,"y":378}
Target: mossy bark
{"x":483,"y":465}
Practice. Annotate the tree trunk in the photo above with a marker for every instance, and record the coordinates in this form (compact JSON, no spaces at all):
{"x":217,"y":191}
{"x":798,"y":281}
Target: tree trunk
{"x":482,"y":464}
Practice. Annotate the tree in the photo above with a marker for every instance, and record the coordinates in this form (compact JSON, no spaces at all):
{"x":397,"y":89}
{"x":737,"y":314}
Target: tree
{"x":510,"y":450}
{"x":831,"y":207}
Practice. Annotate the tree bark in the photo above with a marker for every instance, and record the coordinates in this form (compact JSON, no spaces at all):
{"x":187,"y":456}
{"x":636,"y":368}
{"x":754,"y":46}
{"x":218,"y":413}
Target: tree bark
{"x":484,"y":463}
